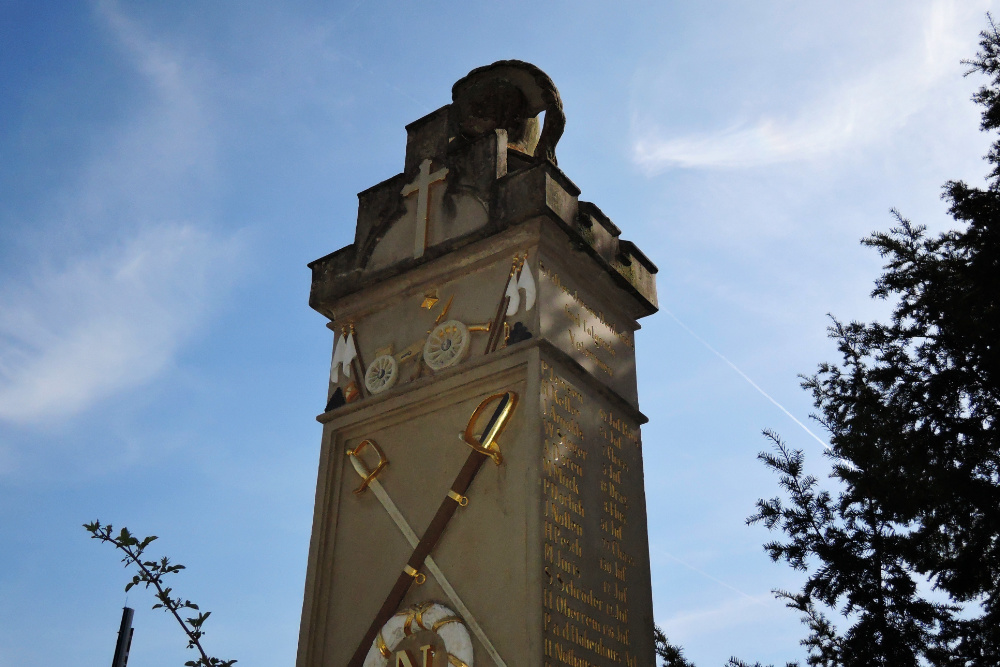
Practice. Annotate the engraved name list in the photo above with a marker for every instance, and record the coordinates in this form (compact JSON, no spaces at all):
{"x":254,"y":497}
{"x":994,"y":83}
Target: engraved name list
{"x":588,"y":454}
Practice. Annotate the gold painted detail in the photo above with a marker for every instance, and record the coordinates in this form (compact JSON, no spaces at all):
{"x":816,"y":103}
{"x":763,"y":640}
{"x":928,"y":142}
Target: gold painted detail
{"x":430,"y":298}
{"x":444,"y":311}
{"x":463,"y":501}
{"x":585,"y":594}
{"x":380,"y":643}
{"x":418,"y":577}
{"x":445,"y":621}
{"x":415,"y":614}
{"x":419,"y":612}
{"x":488,"y":443}
{"x":410,"y":352}
{"x":351,"y":392}
{"x":404,"y":639}
{"x":372,"y":473}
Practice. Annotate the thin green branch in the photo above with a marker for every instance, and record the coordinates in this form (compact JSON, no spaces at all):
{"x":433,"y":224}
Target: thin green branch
{"x":151,"y":573}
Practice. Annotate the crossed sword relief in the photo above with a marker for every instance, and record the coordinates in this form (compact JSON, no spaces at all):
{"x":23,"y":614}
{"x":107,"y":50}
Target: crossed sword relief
{"x":485,"y":446}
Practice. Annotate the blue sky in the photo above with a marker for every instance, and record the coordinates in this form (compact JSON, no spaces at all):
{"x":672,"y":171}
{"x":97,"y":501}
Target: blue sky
{"x":167,"y":170}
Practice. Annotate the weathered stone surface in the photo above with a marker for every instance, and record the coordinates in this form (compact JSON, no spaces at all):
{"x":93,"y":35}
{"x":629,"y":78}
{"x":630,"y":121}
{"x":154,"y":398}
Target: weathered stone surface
{"x":509,"y":95}
{"x":493,"y":185}
{"x":427,"y":137}
{"x":550,"y":555}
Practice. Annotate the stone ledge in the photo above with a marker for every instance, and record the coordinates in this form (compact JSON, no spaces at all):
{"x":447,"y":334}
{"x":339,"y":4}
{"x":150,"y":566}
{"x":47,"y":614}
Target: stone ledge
{"x":403,"y":395}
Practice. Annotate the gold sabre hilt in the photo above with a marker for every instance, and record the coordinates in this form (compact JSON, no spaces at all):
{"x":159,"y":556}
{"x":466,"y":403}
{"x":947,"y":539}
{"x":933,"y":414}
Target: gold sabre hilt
{"x":487,"y":442}
{"x":359,"y":464}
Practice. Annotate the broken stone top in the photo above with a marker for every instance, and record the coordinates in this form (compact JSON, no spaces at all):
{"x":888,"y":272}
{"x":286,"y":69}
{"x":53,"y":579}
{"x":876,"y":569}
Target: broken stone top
{"x":474,"y":168}
{"x":510,"y":95}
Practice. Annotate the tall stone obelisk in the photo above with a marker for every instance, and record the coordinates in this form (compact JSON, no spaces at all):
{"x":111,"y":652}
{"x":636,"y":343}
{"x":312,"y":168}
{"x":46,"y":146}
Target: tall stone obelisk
{"x":480,"y":495}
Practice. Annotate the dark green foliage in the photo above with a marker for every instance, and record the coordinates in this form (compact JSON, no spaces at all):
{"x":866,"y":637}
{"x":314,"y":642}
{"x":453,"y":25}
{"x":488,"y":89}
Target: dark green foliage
{"x":151,"y":573}
{"x":671,"y":655}
{"x":987,"y":62}
{"x":912,"y":410}
{"x":861,"y":572}
{"x":736,"y":662}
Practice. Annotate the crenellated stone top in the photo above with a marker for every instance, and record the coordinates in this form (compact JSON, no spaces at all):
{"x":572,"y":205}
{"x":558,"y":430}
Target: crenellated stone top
{"x":474,"y":168}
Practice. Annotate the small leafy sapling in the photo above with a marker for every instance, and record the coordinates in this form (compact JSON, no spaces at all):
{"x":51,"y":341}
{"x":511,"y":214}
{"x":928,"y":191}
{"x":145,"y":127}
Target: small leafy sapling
{"x":152,"y":573}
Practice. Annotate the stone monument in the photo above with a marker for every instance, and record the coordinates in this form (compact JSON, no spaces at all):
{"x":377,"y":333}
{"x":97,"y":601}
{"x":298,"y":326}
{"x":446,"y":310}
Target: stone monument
{"x":480,"y":495}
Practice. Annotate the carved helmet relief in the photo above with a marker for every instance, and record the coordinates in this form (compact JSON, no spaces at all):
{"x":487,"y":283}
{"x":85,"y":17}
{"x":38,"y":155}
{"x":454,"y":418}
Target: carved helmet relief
{"x":510,"y":95}
{"x":443,"y":194}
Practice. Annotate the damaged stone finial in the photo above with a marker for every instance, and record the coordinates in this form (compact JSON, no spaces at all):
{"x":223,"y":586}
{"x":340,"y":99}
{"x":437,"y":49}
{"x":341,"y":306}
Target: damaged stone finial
{"x":474,"y":169}
{"x":509,"y":95}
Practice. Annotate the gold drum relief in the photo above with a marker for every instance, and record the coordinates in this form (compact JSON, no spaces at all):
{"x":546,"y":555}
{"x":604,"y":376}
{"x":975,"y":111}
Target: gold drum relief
{"x":425,"y":635}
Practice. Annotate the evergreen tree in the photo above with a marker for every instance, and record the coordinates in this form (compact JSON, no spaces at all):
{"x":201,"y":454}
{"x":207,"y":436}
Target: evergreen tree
{"x":672,"y":656}
{"x":854,"y":557}
{"x":912,"y":410}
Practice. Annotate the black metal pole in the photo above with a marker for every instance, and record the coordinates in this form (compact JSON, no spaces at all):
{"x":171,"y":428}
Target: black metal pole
{"x":124,"y":639}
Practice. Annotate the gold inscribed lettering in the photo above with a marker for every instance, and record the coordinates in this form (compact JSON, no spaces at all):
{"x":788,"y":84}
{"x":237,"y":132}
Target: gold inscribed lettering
{"x":585,"y":600}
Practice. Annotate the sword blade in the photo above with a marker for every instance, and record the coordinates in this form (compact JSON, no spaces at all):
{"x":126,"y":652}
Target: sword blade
{"x":433,"y":533}
{"x":432,"y":567}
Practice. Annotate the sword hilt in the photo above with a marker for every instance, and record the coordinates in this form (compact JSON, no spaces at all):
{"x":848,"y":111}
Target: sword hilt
{"x":359,"y":464}
{"x":487,"y":442}
{"x":484,"y":446}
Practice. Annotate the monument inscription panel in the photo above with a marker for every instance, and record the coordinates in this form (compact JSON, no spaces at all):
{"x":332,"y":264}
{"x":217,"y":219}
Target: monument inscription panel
{"x":593,"y":526}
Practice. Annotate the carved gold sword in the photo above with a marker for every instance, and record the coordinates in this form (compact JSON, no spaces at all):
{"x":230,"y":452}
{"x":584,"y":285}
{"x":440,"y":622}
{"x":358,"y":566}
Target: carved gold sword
{"x":484,"y":447}
{"x":370,"y":481}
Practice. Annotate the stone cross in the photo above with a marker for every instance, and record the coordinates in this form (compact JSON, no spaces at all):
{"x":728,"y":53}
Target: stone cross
{"x":422,"y":186}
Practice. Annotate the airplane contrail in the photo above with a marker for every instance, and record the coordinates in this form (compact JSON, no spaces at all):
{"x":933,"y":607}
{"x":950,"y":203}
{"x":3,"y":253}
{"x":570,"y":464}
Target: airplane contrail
{"x":746,"y":377}
{"x":707,"y":575}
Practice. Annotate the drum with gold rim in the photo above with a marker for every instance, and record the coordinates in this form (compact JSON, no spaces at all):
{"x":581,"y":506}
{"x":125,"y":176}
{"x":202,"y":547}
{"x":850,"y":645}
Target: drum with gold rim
{"x":425,"y":635}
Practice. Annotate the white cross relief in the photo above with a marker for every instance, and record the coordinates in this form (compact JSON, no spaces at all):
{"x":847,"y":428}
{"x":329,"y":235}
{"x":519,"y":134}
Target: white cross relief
{"x":422,"y":186}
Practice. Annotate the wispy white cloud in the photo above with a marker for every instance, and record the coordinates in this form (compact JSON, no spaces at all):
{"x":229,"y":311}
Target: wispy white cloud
{"x":107,"y":322}
{"x":852,"y":113}
{"x":162,"y":156}
{"x":130,"y":272}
